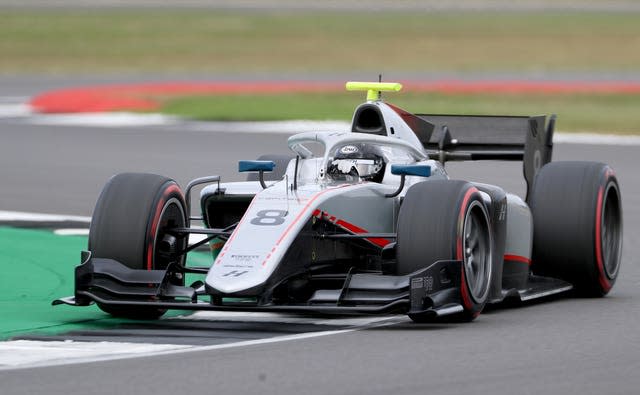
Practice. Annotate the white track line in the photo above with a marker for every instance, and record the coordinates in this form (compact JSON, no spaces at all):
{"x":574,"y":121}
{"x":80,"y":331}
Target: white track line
{"x":71,"y":232}
{"x":21,"y":216}
{"x":107,"y":120}
{"x":275,"y":127}
{"x":125,"y":119}
{"x":596,"y":139}
{"x":21,"y":354}
{"x":11,"y":110}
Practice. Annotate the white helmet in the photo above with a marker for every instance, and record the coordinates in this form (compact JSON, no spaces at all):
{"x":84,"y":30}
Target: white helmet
{"x":362,"y":160}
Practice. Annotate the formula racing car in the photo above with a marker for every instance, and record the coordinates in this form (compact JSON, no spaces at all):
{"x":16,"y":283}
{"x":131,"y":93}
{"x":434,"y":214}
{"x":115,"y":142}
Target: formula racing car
{"x":362,"y":222}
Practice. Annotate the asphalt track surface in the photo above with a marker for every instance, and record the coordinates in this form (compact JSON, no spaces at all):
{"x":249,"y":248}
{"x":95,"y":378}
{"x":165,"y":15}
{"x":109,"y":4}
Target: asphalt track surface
{"x":562,"y":346}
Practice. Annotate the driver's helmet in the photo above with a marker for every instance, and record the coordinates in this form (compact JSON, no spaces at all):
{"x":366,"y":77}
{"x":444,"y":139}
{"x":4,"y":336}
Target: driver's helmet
{"x":359,"y":160}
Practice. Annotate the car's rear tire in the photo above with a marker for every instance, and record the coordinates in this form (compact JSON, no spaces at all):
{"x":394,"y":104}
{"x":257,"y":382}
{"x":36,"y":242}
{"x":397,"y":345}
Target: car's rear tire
{"x":128,"y":224}
{"x":577,"y":216}
{"x":445,"y":220}
{"x":281,"y":161}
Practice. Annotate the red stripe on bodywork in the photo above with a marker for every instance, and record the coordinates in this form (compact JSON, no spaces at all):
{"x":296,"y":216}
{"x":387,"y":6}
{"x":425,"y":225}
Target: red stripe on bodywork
{"x":300,"y":215}
{"x":356,"y":229}
{"x":302,"y":212}
{"x":517,"y":258}
{"x":233,"y":234}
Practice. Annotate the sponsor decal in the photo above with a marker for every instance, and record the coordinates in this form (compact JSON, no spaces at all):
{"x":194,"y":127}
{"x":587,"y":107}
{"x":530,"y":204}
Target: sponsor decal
{"x":349,"y":149}
{"x":425,"y":283}
{"x":244,"y":258}
{"x":235,"y":273}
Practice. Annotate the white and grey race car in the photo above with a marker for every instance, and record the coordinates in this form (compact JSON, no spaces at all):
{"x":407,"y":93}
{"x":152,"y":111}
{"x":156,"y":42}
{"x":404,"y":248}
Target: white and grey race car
{"x":363,"y":222}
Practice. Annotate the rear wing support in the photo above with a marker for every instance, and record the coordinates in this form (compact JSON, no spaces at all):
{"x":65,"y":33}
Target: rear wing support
{"x":479,"y":137}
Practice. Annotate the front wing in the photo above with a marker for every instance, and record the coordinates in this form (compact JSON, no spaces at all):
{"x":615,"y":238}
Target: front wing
{"x":434,"y":290}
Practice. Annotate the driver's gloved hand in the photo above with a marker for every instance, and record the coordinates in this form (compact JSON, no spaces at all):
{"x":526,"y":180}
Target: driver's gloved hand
{"x":344,"y":165}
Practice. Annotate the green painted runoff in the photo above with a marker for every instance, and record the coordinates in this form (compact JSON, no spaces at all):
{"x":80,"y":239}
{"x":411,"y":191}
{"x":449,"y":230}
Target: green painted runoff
{"x":37,"y":267}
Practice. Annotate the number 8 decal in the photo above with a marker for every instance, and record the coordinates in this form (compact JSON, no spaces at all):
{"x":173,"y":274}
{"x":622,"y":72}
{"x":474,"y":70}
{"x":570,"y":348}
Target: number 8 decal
{"x":269,"y":217}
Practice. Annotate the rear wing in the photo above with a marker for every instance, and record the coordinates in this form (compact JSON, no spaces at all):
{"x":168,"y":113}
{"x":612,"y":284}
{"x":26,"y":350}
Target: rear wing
{"x":486,"y":137}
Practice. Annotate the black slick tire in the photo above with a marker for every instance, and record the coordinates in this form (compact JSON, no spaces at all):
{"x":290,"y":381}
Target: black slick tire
{"x":447,"y":220}
{"x":127,"y":226}
{"x":577,"y":215}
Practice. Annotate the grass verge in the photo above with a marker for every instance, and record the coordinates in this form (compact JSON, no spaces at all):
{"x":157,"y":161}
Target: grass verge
{"x":616,"y":113}
{"x":70,"y":41}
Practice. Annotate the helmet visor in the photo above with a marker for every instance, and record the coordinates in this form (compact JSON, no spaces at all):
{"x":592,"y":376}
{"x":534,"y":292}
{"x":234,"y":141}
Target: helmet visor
{"x":364,"y":167}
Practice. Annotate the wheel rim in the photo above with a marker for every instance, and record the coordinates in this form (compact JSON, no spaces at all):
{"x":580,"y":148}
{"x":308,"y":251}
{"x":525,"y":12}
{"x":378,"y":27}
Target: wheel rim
{"x":611,"y":231}
{"x":172,"y":216}
{"x":476,"y":246}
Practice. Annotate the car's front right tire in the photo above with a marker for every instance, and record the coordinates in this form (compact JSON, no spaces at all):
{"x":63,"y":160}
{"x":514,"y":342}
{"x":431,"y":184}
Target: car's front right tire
{"x":128,"y":224}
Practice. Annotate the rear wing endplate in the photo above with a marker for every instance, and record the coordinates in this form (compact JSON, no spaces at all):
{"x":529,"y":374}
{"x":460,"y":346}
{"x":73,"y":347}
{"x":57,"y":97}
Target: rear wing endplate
{"x":482,"y":137}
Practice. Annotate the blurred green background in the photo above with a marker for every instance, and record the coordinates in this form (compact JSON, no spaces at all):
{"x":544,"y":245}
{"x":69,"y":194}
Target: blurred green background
{"x":415,"y":45}
{"x":317,"y":42}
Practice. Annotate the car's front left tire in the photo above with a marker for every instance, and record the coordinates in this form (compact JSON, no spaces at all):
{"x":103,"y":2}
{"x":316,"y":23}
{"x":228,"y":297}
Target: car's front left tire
{"x":447,"y":220}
